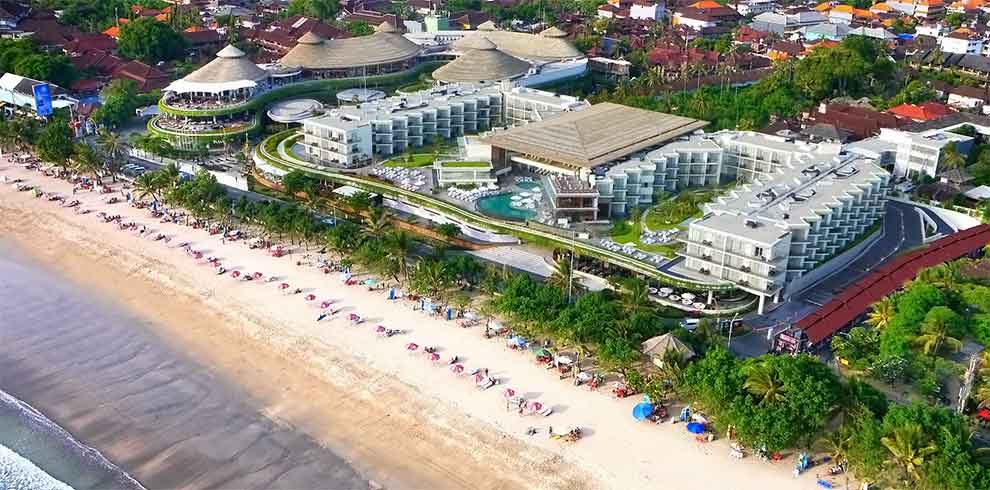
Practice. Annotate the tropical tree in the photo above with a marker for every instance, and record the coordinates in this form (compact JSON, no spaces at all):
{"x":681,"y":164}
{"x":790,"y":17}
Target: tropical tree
{"x":909,"y":448}
{"x":113,"y":151}
{"x":147,"y":184}
{"x":562,"y":276}
{"x":377,"y":222}
{"x":431,"y":278}
{"x":449,"y":230}
{"x":938,"y":330}
{"x":85,"y":160}
{"x":764,"y":382}
{"x":951,"y":158}
{"x":882,"y":313}
{"x":398,"y":247}
{"x":55,"y":142}
{"x":635,"y":295}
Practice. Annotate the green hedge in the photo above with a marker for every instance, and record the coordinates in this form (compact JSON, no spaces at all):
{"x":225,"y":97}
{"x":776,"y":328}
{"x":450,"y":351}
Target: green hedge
{"x":306,"y":88}
{"x":168,"y":133}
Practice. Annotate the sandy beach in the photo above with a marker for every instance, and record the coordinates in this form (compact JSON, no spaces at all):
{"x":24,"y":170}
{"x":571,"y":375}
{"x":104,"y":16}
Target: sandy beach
{"x":396,"y":417}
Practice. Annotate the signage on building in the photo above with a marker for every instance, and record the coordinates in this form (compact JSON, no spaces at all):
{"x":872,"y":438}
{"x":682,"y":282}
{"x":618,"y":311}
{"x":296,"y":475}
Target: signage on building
{"x":43,"y":99}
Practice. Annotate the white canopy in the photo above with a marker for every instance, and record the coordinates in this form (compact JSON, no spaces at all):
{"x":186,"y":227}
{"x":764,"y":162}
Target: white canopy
{"x":185,"y":86}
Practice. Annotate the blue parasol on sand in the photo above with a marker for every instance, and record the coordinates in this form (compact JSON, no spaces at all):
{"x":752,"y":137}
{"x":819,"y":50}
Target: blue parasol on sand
{"x":643,"y":410}
{"x":696,"y":428}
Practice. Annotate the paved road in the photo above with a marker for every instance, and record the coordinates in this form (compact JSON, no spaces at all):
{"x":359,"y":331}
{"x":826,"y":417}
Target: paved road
{"x":902,"y":232}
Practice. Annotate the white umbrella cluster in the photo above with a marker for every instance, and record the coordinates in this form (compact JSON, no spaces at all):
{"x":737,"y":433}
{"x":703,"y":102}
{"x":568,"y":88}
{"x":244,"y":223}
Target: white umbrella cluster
{"x":473,"y":194}
{"x":406,"y":178}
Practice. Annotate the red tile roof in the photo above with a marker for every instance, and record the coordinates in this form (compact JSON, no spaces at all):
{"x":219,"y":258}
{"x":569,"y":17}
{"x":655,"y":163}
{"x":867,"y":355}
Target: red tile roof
{"x":928,"y":111}
{"x":87,"y":42}
{"x":148,"y":78}
{"x":856,"y":299}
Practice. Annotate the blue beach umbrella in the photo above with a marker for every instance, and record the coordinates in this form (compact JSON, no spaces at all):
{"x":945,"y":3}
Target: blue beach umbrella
{"x":450,"y":313}
{"x":696,"y":428}
{"x":391,"y":293}
{"x":643,"y":410}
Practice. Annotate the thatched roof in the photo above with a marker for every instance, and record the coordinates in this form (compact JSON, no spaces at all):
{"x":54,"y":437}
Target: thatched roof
{"x":482,"y":62}
{"x":553,"y":31}
{"x":593,"y":136}
{"x":230,"y":65}
{"x":384,"y":46}
{"x":528,"y":46}
{"x":660,"y":345}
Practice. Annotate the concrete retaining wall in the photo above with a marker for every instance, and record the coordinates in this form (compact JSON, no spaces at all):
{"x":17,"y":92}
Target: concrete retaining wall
{"x":827,"y":269}
{"x":466,"y":229}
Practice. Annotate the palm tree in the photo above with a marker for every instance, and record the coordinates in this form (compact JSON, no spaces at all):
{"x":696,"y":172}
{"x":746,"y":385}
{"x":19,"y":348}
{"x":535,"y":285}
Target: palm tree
{"x":982,"y":395}
{"x":934,"y":336}
{"x":836,"y":444}
{"x":377,"y":222}
{"x":85,"y":161}
{"x":635,"y":295}
{"x":764,"y":382}
{"x":398,"y":246}
{"x":562,"y":275}
{"x":112,"y":148}
{"x":882,"y":314}
{"x":430,"y":278}
{"x":908,"y":448}
{"x":147,"y":185}
{"x":951,"y":158}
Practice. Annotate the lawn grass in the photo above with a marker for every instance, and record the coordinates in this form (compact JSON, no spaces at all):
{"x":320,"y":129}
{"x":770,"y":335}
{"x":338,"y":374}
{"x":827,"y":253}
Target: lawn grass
{"x":673,"y":212}
{"x":418,"y":161}
{"x":630,"y":232}
{"x":466,"y":164}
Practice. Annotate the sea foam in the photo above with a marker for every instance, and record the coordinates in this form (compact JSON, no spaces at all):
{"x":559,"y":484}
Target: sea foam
{"x":17,"y":473}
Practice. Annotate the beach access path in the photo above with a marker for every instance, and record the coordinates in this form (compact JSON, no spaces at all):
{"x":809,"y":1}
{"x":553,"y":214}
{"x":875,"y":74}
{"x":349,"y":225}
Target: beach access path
{"x":394,"y":415}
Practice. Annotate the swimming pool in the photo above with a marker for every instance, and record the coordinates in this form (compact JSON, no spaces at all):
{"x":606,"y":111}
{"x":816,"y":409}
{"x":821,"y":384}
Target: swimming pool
{"x":529,"y":186}
{"x":498,"y":207}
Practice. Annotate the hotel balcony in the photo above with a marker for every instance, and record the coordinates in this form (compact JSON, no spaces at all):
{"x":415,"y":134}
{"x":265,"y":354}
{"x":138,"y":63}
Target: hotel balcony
{"x":709,"y":246}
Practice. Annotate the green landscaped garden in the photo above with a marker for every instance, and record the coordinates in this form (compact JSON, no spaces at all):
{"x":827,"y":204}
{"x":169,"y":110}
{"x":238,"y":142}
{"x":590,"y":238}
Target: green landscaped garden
{"x":673,"y":212}
{"x":411,"y":161}
{"x":629,"y":231}
{"x":466,"y":164}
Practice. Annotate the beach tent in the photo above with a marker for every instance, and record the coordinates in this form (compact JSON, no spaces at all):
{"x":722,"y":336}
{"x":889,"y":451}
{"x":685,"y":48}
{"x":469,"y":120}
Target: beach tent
{"x":658,"y":346}
{"x":643,"y":410}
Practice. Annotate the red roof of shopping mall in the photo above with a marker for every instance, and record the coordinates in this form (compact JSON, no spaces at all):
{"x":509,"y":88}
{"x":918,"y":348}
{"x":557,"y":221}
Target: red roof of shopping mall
{"x":856,"y":299}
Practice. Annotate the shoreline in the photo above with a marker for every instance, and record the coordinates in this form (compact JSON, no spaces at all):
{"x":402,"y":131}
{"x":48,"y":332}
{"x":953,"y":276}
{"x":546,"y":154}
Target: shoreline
{"x":432,"y":428}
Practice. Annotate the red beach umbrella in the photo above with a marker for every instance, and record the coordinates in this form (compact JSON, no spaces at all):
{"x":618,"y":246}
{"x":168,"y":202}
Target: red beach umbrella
{"x":284,"y":285}
{"x":457,"y":368}
{"x":310,"y":297}
{"x":434,"y":356}
{"x":411,"y":346}
{"x":235,"y":274}
{"x":509,"y":393}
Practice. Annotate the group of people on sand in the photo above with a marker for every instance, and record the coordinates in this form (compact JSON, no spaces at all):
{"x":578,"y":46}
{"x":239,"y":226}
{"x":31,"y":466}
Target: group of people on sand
{"x":328,"y":308}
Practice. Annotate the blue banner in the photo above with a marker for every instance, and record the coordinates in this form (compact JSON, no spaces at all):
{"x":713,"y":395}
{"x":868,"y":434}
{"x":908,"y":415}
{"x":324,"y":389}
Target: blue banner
{"x":43,"y":99}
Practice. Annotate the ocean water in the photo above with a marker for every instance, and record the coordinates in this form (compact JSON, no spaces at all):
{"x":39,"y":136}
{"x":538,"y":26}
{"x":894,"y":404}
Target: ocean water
{"x":29,"y":441}
{"x":71,"y":359}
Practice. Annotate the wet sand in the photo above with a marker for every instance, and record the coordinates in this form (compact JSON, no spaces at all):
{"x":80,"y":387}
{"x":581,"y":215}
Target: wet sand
{"x":101,"y":374}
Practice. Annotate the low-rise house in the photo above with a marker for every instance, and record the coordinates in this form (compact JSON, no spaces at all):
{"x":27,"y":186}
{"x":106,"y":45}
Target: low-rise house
{"x":830,"y":31}
{"x":147,"y":78}
{"x":968,"y":98}
{"x":927,"y":111}
{"x":647,"y":10}
{"x":961,"y":42}
{"x":701,"y":18}
{"x":754,"y":7}
{"x":860,"y":122}
{"x":786,"y":23}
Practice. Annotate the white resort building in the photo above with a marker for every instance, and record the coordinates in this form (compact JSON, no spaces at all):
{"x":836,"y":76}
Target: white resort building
{"x":402,"y":122}
{"x":765,"y":235}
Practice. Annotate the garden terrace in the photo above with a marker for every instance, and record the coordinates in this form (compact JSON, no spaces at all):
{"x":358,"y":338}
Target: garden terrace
{"x":308,"y":87}
{"x":273,"y":152}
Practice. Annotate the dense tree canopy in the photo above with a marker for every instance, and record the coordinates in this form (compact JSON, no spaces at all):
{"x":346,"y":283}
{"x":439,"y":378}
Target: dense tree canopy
{"x":55,"y":142}
{"x":150,"y":41}
{"x":24,"y":58}
{"x":321,"y":9}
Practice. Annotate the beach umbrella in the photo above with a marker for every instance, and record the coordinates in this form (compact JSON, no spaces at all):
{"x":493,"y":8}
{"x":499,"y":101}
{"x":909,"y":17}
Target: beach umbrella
{"x":235,"y":274}
{"x":326,"y":304}
{"x":643,"y":410}
{"x":509,"y":393}
{"x":284,"y":285}
{"x":411,"y":346}
{"x":984,"y":414}
{"x":216,"y":264}
{"x":258,"y":275}
{"x":380,"y":329}
{"x":457,"y":368}
{"x":535,"y":406}
{"x":391,"y":293}
{"x":696,"y":428}
{"x":310,"y":297}
{"x":565,"y":359}
{"x":450,"y":313}
{"x":544,"y":352}
{"x":434,"y":356}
